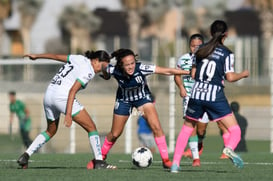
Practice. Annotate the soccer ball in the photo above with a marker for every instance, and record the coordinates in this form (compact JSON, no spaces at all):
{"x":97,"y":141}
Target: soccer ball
{"x":142,"y":157}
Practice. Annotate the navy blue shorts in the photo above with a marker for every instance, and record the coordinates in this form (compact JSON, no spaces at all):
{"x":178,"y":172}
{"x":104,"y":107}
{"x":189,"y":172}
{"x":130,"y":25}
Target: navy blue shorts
{"x":215,"y":110}
{"x":124,"y":107}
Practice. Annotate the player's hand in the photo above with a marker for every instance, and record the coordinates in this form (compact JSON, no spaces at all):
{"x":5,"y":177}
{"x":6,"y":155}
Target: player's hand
{"x":31,"y":56}
{"x":245,"y":73}
{"x":68,"y":120}
{"x":183,"y":92}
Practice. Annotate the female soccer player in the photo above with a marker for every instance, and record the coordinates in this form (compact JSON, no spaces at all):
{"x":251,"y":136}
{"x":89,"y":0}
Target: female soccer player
{"x":133,"y":91}
{"x":60,"y":98}
{"x":185,"y":86}
{"x":213,"y":63}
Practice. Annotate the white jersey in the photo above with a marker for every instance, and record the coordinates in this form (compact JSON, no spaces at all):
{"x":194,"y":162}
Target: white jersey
{"x":77,"y":68}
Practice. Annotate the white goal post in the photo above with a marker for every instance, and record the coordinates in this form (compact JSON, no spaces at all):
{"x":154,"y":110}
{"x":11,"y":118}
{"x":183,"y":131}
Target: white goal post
{"x":271,"y":93}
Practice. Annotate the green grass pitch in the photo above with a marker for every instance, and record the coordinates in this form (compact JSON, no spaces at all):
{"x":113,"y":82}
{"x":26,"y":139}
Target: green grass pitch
{"x":258,"y":166}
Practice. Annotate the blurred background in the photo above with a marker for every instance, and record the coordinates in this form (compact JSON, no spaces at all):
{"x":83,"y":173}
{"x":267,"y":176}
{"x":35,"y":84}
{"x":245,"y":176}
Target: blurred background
{"x":156,"y":30}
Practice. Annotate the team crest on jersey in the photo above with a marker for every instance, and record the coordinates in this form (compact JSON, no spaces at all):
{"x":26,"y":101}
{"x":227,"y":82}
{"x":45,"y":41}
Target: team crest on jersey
{"x":145,"y":67}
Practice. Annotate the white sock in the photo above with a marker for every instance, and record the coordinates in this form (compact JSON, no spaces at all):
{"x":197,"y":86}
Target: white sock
{"x":94,"y":140}
{"x":194,"y":149}
{"x":39,"y":141}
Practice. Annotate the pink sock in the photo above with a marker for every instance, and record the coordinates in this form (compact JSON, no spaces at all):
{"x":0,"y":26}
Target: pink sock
{"x":235,"y":136}
{"x":225,"y":137}
{"x":107,"y":145}
{"x":162,"y":147}
{"x":181,"y":143}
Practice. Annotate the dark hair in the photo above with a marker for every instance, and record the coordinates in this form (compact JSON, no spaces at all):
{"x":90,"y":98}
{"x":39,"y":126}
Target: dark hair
{"x":13,"y":93}
{"x":235,"y":106}
{"x":119,"y":54}
{"x":217,"y":30}
{"x":196,"y":36}
{"x":102,"y":55}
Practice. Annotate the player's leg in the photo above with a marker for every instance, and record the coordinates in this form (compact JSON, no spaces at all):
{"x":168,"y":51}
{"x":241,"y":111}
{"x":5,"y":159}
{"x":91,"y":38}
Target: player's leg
{"x":121,"y":114}
{"x":118,"y":125}
{"x":221,"y":111}
{"x":186,"y":131}
{"x":234,"y":138}
{"x":181,"y":143}
{"x":225,"y":135}
{"x":201,"y":133}
{"x":151,"y":116}
{"x":193,"y":146}
{"x":86,"y":122}
{"x":38,"y":142}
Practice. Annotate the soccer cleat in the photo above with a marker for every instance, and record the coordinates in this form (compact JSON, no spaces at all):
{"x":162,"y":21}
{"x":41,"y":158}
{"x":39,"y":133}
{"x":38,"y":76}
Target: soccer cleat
{"x":196,"y":163}
{"x":23,"y":160}
{"x":236,"y":159}
{"x":90,"y":165}
{"x":101,"y":164}
{"x":166,"y":163}
{"x":175,"y":168}
{"x":187,"y":153}
{"x":224,"y":156}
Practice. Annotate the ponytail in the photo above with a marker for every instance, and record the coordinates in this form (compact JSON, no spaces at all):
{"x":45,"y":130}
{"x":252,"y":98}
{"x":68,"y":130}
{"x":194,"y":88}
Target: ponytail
{"x":217,"y":30}
{"x":102,"y":55}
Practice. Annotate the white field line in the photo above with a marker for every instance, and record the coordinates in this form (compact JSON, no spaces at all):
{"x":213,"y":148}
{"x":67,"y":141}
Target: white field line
{"x":41,"y":161}
{"x":210,"y":163}
{"x":155,"y":161}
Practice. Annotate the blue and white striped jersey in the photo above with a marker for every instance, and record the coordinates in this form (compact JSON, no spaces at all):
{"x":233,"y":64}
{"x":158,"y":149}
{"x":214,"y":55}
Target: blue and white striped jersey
{"x":134,"y":87}
{"x":210,"y":74}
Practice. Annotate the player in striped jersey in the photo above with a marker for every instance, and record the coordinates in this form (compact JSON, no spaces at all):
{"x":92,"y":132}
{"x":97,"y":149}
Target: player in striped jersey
{"x":133,"y":91}
{"x":185,"y":87}
{"x":59,"y":98}
{"x":213,"y":63}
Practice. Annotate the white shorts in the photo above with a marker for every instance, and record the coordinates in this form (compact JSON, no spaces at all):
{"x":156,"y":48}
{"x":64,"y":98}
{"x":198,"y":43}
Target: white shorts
{"x":55,"y":104}
{"x":205,"y":118}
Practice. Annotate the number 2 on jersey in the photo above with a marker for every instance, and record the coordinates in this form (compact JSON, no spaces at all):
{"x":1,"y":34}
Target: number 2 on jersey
{"x":208,"y":67}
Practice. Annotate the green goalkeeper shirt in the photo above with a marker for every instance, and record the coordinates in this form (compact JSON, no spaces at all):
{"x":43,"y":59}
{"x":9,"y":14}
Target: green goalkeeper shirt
{"x":19,"y":109}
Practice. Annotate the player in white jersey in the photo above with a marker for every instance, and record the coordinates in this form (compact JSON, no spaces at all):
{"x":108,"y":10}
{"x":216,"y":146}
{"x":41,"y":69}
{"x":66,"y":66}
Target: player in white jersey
{"x":213,"y":64}
{"x":60,"y":98}
{"x":185,"y":87}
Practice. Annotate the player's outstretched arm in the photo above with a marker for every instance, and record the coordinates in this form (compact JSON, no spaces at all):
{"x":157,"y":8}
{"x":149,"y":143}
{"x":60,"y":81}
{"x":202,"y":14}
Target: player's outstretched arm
{"x":61,"y":58}
{"x":170,"y":71}
{"x":233,"y":76}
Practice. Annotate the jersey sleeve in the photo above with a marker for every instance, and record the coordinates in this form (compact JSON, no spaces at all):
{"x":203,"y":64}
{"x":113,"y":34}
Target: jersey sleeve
{"x":147,"y":69}
{"x":179,"y":63}
{"x":229,"y":63}
{"x":110,"y":69}
{"x":85,"y":71}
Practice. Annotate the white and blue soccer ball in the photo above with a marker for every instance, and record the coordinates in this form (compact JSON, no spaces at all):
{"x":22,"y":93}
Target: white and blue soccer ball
{"x":142,"y":157}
